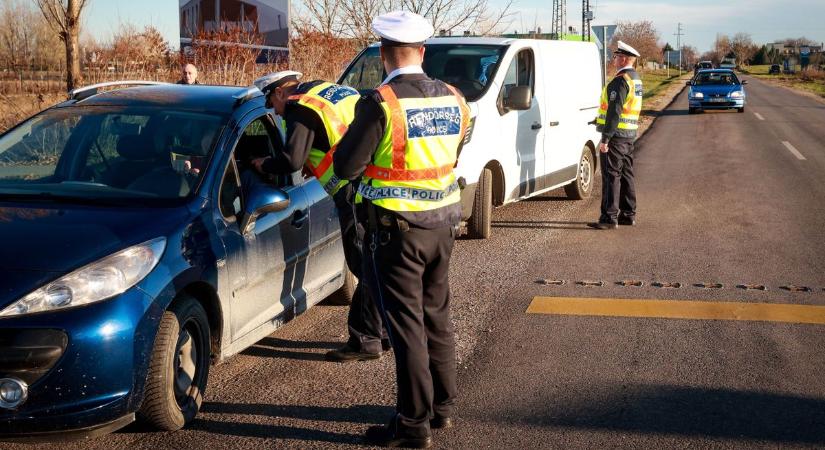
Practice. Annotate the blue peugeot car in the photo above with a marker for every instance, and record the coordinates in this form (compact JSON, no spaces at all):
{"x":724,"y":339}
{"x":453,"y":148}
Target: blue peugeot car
{"x":716,"y":89}
{"x":137,"y":248}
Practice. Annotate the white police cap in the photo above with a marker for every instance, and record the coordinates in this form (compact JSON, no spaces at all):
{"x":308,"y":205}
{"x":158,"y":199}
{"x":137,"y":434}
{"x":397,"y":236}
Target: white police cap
{"x":402,"y":29}
{"x":625,"y":49}
{"x":273,"y":80}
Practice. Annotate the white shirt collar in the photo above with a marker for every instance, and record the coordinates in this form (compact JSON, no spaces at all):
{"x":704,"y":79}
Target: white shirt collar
{"x":629,"y":66}
{"x":402,"y":71}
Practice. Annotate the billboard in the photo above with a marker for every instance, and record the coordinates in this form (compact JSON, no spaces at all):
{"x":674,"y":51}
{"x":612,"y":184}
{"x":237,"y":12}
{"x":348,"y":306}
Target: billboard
{"x":267,"y":19}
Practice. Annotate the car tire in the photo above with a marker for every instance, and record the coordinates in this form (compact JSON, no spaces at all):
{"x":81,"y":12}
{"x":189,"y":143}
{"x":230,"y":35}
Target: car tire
{"x":742,"y":109}
{"x":691,"y":110}
{"x":582,"y":187}
{"x":179,"y":367}
{"x":343,"y":296}
{"x":479,"y":226}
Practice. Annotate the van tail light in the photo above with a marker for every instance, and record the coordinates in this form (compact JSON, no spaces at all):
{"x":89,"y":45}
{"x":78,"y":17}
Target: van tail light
{"x":469,"y":133}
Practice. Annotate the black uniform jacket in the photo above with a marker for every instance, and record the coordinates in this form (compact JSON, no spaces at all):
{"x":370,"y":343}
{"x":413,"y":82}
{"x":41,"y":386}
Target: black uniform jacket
{"x":359,"y":144}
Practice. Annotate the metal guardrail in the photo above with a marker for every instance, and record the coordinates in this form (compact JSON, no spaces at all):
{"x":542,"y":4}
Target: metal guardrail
{"x":88,"y":91}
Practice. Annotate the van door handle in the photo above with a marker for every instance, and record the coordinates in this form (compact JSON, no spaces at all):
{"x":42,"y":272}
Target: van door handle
{"x":554,"y":124}
{"x":535,"y":126}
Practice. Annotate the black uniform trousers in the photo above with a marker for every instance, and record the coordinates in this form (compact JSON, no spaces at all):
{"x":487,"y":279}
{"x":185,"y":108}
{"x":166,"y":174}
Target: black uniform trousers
{"x":408,"y":272}
{"x":364,"y":322}
{"x":618,"y":184}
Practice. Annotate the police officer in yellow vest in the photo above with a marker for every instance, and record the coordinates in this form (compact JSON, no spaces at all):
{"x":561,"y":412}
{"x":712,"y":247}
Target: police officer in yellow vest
{"x":403,"y":146}
{"x":618,"y":121}
{"x":316,"y":116}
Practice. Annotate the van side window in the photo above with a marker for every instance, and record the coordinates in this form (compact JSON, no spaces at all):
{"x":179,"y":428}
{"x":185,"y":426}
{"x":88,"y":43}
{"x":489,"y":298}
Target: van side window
{"x":521,"y":72}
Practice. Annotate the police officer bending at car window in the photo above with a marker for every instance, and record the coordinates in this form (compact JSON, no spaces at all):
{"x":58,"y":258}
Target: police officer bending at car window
{"x":317,"y":114}
{"x":618,"y":121}
{"x":403,"y":145}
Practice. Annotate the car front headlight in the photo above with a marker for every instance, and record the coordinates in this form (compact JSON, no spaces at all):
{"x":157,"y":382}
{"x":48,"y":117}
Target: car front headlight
{"x":736,"y":94}
{"x":98,"y":281}
{"x":698,"y":95}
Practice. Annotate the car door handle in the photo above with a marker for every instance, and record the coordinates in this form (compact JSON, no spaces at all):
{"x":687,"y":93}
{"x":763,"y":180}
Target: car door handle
{"x":299,"y":218}
{"x":554,"y":124}
{"x":535,"y":126}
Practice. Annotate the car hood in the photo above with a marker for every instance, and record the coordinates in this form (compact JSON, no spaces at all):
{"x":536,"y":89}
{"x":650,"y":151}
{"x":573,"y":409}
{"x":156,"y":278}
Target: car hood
{"x":63,"y":238}
{"x":717,"y":89}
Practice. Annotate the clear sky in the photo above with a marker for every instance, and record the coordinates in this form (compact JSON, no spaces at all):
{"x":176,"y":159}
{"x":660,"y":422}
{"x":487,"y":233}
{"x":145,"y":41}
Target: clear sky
{"x":765,"y":20}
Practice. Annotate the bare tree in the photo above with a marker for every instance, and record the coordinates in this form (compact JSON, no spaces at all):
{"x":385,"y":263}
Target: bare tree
{"x":449,"y":15}
{"x":64,"y":18}
{"x":689,"y":55}
{"x":642,"y":36}
{"x":323,"y":16}
{"x":743,"y":47}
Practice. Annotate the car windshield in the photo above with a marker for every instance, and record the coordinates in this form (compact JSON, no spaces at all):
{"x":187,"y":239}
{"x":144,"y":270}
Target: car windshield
{"x":715,"y":78}
{"x":469,"y":68}
{"x":110,"y":153}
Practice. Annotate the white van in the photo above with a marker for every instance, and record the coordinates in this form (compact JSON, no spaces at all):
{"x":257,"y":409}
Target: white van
{"x":533,"y":103}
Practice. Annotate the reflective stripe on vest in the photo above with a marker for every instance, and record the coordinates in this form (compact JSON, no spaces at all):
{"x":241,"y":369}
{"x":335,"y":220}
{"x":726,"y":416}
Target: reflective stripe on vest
{"x":631,"y":109}
{"x":335,"y":105}
{"x":412,"y":169}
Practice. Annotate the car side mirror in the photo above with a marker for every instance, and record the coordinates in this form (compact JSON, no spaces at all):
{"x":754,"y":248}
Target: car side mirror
{"x":519,"y":98}
{"x":744,"y":81}
{"x":262,"y":199}
{"x":689,"y":83}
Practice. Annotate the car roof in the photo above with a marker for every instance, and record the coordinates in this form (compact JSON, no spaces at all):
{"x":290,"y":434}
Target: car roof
{"x":716,"y":71}
{"x":195,"y":97}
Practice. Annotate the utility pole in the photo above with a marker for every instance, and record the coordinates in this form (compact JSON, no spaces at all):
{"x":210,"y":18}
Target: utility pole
{"x":679,"y":35}
{"x":559,"y":19}
{"x":587,"y":16}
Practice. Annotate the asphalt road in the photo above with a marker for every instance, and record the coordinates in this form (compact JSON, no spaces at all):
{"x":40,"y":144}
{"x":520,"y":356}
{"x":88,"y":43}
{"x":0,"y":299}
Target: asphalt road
{"x":723,"y":199}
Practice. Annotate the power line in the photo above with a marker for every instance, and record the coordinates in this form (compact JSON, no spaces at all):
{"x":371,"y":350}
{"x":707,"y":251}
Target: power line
{"x":679,"y":35}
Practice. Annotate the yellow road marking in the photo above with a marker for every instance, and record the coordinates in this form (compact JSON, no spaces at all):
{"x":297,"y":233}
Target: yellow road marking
{"x":678,"y":309}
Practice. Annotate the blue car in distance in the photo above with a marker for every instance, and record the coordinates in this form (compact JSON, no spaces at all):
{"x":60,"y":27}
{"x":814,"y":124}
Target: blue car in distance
{"x":137,"y":248}
{"x":716,"y":89}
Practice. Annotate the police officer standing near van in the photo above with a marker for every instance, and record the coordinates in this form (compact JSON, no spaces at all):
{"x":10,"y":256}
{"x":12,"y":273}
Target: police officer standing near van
{"x":618,"y":121}
{"x":403,"y":146}
{"x":316,"y":116}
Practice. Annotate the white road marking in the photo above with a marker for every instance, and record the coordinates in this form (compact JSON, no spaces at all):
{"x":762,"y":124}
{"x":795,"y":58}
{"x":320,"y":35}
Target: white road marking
{"x":793,"y":150}
{"x":759,"y":116}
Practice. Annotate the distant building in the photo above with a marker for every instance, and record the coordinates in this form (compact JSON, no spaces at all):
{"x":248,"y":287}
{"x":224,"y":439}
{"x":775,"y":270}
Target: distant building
{"x":269,"y":18}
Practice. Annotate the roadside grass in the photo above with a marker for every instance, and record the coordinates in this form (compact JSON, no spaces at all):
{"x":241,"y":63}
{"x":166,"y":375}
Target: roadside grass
{"x":809,"y":80}
{"x":656,"y":81}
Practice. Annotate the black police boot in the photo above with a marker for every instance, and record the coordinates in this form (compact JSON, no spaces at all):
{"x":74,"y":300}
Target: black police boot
{"x":348,"y":353}
{"x":603,"y":225}
{"x":627,"y":221}
{"x":383,"y":436}
{"x":440,"y":422}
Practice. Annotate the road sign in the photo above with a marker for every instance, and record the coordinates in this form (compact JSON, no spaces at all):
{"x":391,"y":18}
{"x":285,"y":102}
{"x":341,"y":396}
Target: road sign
{"x":603,"y":33}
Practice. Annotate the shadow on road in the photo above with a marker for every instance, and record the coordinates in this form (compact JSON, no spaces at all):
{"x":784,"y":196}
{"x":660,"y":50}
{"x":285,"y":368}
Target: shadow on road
{"x":262,"y":431}
{"x":687,"y":411}
{"x":366,"y":414}
{"x":271,"y":347}
{"x":667,"y":112}
{"x":541,"y":224}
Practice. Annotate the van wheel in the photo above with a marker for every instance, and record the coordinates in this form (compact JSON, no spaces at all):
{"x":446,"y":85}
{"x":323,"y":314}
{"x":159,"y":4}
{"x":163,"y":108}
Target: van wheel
{"x":179,"y":367}
{"x":343,"y":296}
{"x":742,"y":109}
{"x":583,"y":186}
{"x":480,"y":224}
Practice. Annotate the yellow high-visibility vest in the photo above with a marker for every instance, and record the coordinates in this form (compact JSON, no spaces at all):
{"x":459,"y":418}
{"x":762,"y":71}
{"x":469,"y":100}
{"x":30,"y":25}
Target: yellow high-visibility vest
{"x":412,"y":169}
{"x":335,"y":105}
{"x":631,"y":109}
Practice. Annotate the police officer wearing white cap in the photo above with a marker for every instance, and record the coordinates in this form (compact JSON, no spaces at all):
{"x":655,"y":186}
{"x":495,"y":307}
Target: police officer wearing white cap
{"x":403,"y":145}
{"x":618,"y":121}
{"x":317,"y":114}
